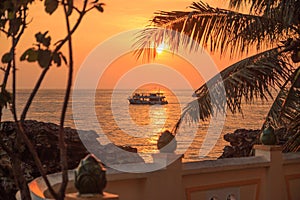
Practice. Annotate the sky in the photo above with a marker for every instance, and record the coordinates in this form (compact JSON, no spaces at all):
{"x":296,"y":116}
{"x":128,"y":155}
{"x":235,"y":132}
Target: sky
{"x":119,"y":17}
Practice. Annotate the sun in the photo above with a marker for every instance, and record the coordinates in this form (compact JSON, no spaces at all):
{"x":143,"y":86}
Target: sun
{"x":160,"y":48}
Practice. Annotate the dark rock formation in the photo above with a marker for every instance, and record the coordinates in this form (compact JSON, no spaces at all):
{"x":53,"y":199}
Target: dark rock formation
{"x":242,"y":141}
{"x":44,"y":136}
{"x":110,"y":155}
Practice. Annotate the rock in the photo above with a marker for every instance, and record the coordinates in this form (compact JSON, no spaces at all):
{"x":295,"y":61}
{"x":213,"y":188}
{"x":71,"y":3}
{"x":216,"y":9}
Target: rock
{"x":242,"y":141}
{"x":44,"y":136}
{"x":111,"y":154}
{"x":128,"y":148}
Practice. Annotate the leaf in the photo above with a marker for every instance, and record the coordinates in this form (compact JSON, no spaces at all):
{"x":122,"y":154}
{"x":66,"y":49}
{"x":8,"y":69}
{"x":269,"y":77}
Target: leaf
{"x":212,"y":28}
{"x":44,"y":58}
{"x":7,"y":5}
{"x":46,"y":41}
{"x":14,"y":26}
{"x":99,"y":7}
{"x":286,"y":106}
{"x":63,"y":57}
{"x":70,"y":7}
{"x":51,"y":6}
{"x":243,"y":82}
{"x":5,"y":97}
{"x":293,"y":132}
{"x":3,"y":69}
{"x":41,"y":38}
{"x":6,"y":58}
{"x":30,"y":55}
{"x":2,"y":23}
{"x":11,"y":15}
{"x":57,"y":59}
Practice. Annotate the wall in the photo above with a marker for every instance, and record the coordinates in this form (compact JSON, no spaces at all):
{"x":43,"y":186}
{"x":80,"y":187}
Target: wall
{"x":268,"y":175}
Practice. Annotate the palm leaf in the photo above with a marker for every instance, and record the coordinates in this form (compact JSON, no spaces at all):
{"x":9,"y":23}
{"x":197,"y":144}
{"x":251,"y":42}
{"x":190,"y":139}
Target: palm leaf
{"x":286,"y":10}
{"x":293,"y":144}
{"x":224,"y":30}
{"x":286,"y":107}
{"x":257,"y":6}
{"x":246,"y":80}
{"x":212,"y":28}
{"x":289,"y":11}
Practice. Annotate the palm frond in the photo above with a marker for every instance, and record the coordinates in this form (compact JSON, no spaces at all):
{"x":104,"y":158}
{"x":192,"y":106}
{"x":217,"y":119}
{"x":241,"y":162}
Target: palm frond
{"x":286,"y":107}
{"x":293,"y":144}
{"x":212,"y":28}
{"x":256,"y":6}
{"x":286,"y":10}
{"x":289,"y":11}
{"x":246,"y":80}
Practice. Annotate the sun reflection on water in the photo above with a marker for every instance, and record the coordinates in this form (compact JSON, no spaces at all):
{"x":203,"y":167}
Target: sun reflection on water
{"x":156,"y":118}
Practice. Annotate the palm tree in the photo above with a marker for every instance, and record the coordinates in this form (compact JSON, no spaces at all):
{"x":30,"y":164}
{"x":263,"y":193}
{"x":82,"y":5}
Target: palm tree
{"x":270,"y":27}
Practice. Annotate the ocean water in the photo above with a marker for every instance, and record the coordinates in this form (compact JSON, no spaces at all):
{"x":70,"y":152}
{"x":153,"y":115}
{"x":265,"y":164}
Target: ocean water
{"x":115,"y":120}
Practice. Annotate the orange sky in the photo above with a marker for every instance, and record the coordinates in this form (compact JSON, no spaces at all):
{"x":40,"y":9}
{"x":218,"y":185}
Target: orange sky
{"x":169,"y":70}
{"x":118,"y":16}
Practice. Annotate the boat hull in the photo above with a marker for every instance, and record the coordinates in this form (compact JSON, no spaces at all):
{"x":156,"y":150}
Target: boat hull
{"x":147,"y":99}
{"x":140,"y":102}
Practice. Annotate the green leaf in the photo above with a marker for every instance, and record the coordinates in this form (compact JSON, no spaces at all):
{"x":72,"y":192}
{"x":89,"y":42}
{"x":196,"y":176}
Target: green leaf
{"x":51,"y":6}
{"x":30,"y":55}
{"x":44,"y":58}
{"x":11,"y":15}
{"x":99,"y":7}
{"x":57,"y":59}
{"x":6,"y":58}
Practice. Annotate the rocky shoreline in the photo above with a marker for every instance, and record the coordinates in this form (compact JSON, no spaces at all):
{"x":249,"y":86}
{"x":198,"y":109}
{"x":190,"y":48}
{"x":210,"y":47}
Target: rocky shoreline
{"x":45,"y":139}
{"x":242,"y":141}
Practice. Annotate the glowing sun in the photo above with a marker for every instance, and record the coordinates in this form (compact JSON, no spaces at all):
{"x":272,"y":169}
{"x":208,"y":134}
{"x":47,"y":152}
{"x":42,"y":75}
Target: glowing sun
{"x":160,"y":48}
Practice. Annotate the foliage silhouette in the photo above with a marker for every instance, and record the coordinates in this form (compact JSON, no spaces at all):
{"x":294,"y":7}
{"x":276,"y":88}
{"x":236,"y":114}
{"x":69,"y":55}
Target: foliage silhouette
{"x":270,"y":27}
{"x":13,"y":23}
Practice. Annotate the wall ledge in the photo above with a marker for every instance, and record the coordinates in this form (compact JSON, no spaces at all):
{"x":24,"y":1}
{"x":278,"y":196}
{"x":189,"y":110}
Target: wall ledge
{"x":290,"y":158}
{"x":268,"y":147}
{"x":226,"y":164}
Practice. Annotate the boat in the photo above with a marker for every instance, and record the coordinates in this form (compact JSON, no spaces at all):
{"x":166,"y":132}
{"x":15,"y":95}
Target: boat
{"x":148,"y":98}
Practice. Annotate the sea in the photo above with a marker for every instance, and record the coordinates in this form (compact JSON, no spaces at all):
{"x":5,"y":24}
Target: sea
{"x":110,"y":115}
